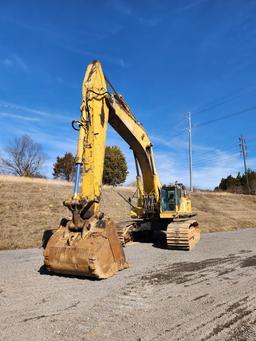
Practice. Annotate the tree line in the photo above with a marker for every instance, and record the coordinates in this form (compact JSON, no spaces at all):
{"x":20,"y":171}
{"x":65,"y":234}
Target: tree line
{"x":242,"y":183}
{"x":25,"y":157}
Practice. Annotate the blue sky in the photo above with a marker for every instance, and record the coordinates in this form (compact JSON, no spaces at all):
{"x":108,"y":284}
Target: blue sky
{"x":165,"y":57}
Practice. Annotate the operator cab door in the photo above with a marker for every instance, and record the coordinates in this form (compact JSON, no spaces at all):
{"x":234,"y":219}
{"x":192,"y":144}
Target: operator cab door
{"x":170,"y":200}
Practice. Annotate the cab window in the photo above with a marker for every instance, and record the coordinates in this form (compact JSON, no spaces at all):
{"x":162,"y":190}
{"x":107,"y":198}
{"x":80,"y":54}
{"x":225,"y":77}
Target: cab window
{"x":168,"y":199}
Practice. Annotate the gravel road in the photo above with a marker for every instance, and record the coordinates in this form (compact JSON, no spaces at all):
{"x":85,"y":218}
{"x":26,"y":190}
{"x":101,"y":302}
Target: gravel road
{"x":206,"y":294}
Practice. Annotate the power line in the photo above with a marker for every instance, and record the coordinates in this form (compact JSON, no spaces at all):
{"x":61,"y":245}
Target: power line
{"x":216,"y":157}
{"x":251,"y":138}
{"x":178,"y":123}
{"x":216,"y":105}
{"x":219,"y":160}
{"x":214,"y":151}
{"x":181,"y":133}
{"x":224,"y":100}
{"x":200,"y":124}
{"x":224,"y":117}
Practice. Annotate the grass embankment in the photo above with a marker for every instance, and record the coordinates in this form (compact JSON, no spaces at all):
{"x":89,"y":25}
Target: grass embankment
{"x":30,"y":206}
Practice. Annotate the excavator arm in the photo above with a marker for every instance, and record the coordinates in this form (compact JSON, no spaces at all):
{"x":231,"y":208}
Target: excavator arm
{"x":92,"y":129}
{"x":101,"y":105}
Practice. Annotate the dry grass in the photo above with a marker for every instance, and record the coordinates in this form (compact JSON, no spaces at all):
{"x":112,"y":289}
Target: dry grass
{"x":19,"y":179}
{"x":224,"y":211}
{"x":30,"y":206}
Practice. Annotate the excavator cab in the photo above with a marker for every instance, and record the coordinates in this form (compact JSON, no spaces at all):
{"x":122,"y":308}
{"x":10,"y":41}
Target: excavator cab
{"x":169,"y":198}
{"x":182,"y":232}
{"x":172,"y":198}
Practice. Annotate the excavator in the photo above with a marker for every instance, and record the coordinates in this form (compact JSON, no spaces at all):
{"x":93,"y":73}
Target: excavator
{"x":88,"y":244}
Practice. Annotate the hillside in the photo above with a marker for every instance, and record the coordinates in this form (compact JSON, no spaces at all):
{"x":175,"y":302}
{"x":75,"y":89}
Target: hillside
{"x":30,"y":206}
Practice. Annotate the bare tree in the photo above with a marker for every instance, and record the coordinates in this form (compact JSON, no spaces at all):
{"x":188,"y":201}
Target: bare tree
{"x":25,"y":157}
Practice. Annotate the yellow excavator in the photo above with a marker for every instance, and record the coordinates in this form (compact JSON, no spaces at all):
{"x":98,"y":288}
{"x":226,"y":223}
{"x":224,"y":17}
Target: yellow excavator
{"x":88,"y":244}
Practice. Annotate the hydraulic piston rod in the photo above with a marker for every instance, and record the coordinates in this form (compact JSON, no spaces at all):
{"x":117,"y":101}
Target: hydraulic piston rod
{"x":77,"y":179}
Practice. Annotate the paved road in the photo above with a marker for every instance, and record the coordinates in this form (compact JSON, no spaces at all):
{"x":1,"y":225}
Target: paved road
{"x":206,"y":294}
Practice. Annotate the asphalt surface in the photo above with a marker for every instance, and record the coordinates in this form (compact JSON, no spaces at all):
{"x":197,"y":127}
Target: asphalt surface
{"x":206,"y":294}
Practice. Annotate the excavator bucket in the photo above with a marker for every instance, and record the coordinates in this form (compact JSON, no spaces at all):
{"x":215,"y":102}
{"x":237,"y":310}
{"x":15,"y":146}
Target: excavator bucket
{"x":182,"y":235}
{"x":95,"y":253}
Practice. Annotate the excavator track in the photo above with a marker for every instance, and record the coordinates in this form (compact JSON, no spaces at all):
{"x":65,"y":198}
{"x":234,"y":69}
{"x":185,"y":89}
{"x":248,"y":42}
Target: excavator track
{"x":182,"y":235}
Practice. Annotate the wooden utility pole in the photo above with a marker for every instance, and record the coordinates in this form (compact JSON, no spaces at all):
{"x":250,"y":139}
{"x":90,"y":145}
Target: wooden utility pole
{"x":243,"y":152}
{"x":190,"y":151}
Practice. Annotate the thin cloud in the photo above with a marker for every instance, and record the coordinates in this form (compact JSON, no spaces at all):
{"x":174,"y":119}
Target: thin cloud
{"x":15,"y":106}
{"x":6,"y":62}
{"x":52,"y":31}
{"x":14,"y":61}
{"x":208,"y":176}
{"x":120,"y":6}
{"x":191,"y":5}
{"x":112,"y":60}
{"x":210,"y":164}
{"x":161,"y":141}
{"x":54,"y":144}
{"x":34,"y":111}
{"x":176,"y":143}
{"x":20,"y":62}
{"x":19,"y":117}
{"x":151,"y":22}
{"x":171,"y":142}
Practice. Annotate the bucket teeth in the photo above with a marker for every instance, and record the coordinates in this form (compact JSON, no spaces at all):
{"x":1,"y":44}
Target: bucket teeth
{"x":96,"y":253}
{"x":182,"y":235}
